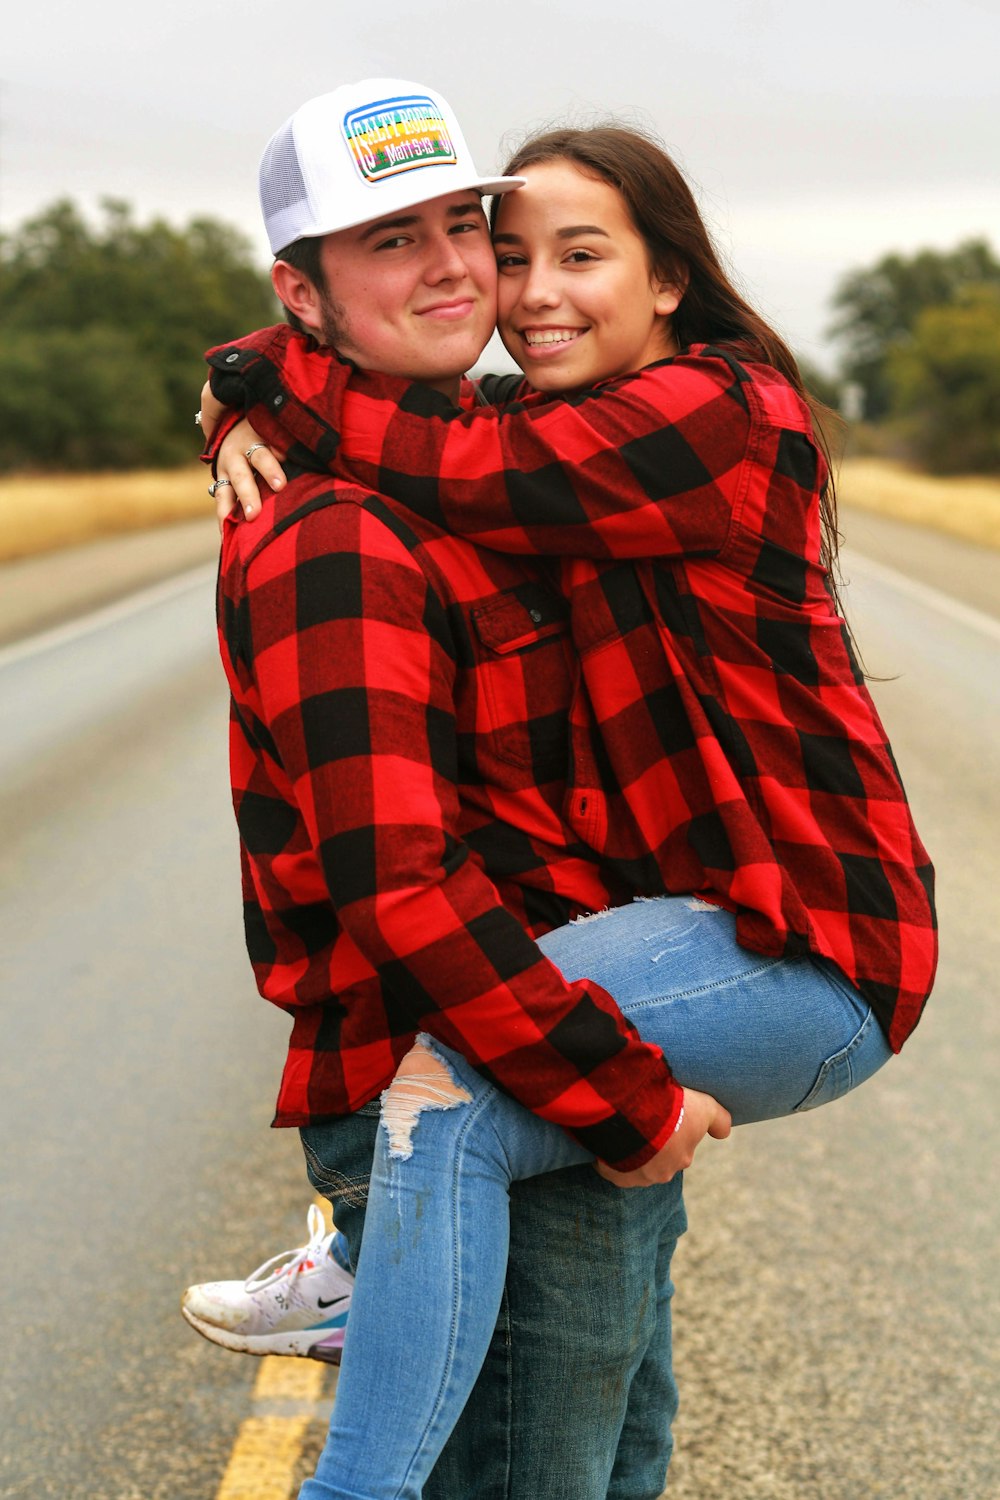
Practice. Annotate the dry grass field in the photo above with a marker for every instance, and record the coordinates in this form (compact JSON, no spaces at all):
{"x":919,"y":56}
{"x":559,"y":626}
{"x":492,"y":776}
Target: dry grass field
{"x":42,"y":513}
{"x":968,"y":506}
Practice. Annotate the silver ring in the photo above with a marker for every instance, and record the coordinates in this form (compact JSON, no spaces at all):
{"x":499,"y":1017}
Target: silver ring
{"x":253,"y":449}
{"x":197,"y":419}
{"x":217,"y":485}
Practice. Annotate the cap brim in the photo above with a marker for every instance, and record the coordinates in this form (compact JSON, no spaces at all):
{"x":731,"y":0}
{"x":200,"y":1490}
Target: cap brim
{"x":489,"y":187}
{"x":499,"y":185}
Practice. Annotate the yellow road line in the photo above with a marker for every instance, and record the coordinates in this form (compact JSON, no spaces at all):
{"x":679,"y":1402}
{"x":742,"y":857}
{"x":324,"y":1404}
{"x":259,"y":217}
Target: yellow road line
{"x":268,"y":1446}
{"x":266,"y":1452}
{"x":283,"y":1379}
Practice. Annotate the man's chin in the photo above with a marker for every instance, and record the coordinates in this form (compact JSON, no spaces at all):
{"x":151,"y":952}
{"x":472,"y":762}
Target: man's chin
{"x":436,"y":359}
{"x":460,"y":346}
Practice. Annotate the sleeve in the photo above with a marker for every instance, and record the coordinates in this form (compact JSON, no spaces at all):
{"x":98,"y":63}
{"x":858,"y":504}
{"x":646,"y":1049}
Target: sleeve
{"x":355,"y":678}
{"x":651,"y":464}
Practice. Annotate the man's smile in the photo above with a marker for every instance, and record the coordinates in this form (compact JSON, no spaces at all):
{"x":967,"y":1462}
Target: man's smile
{"x":450,"y":311}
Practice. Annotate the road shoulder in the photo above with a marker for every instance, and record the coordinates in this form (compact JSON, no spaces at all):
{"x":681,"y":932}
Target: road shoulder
{"x":962,"y":569}
{"x":38,"y":593}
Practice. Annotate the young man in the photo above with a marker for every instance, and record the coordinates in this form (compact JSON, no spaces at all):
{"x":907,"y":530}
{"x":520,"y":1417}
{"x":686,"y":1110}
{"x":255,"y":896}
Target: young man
{"x":399,"y":745}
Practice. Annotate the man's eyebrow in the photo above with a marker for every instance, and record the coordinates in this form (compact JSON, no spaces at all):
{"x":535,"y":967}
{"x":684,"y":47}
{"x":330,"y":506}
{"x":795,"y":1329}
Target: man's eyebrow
{"x":569,"y":233}
{"x":407,"y":221}
{"x":379,"y":226}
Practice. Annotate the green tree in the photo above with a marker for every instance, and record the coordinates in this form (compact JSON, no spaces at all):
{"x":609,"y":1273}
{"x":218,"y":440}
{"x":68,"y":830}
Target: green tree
{"x":945,"y":384}
{"x":877,"y":308}
{"x":130,"y":308}
{"x":70,"y":399}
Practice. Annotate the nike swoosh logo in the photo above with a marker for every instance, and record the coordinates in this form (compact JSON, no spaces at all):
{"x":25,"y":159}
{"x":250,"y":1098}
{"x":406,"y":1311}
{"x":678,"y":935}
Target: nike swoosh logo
{"x":332,"y":1302}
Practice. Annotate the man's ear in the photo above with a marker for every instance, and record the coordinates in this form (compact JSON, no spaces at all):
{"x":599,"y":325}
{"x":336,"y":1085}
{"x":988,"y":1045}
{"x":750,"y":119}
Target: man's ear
{"x":296,"y":292}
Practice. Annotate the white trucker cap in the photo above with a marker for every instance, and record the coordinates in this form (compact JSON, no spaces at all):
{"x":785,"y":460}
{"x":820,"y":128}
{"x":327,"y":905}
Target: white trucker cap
{"x":368,"y":149}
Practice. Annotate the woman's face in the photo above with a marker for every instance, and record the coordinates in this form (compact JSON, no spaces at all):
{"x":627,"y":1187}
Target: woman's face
{"x":577,"y":300}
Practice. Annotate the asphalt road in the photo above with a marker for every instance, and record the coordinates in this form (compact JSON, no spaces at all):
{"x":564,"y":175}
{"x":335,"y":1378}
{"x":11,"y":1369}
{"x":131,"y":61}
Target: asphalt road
{"x":837,"y":1302}
{"x":138,"y":1065}
{"x":838,"y":1312}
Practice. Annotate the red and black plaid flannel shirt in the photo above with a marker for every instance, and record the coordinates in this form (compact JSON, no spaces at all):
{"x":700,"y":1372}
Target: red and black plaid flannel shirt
{"x":398,"y":751}
{"x":722,"y":733}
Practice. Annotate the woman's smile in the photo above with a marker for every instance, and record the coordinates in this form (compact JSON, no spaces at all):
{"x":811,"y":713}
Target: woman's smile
{"x":578,"y":300}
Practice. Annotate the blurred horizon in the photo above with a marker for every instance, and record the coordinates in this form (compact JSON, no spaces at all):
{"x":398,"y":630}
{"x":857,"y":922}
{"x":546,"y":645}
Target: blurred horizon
{"x":815,"y":144}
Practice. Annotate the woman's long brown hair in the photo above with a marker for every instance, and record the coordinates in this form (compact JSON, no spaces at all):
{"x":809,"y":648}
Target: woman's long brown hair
{"x":663,"y":210}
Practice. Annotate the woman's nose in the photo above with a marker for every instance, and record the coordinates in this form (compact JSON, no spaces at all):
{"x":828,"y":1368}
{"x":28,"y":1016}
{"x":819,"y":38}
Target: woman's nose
{"x":539,"y":288}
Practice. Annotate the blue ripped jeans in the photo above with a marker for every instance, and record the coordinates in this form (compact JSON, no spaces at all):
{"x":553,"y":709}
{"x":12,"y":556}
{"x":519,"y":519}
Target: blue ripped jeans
{"x":767,"y":1037}
{"x":580,"y":1357}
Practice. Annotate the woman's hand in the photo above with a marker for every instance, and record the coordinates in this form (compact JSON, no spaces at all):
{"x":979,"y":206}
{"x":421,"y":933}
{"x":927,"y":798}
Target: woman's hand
{"x":702,"y":1116}
{"x":241,"y":457}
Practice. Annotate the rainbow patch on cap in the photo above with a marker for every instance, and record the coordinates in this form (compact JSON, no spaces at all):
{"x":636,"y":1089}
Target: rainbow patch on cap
{"x":396,"y":135}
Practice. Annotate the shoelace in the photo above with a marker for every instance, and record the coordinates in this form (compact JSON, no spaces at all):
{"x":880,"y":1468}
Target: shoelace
{"x":291,"y":1262}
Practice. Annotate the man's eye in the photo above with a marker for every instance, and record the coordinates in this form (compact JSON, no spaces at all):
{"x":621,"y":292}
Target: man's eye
{"x":471,"y":226}
{"x":393,"y":243}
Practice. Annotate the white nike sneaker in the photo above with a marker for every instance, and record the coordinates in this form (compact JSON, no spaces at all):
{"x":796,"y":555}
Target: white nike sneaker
{"x":295,"y":1303}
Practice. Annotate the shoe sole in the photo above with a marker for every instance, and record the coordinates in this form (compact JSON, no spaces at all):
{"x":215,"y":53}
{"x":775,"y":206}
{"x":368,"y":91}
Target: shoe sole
{"x":300,"y":1343}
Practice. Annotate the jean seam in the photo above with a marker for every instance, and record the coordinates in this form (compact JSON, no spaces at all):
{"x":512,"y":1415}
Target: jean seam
{"x":509,"y":1376}
{"x":853,"y":1045}
{"x":354,"y":1190}
{"x":840,"y":1058}
{"x":703,"y":989}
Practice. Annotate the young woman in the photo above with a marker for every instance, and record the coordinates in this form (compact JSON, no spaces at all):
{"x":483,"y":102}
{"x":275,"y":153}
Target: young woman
{"x":725,"y":752}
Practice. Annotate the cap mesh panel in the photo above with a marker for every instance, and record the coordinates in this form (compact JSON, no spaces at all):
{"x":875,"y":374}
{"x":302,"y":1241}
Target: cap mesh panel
{"x":281,"y":182}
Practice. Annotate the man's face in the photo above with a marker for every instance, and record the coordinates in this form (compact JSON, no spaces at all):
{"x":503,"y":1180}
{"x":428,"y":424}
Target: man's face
{"x":413,"y":294}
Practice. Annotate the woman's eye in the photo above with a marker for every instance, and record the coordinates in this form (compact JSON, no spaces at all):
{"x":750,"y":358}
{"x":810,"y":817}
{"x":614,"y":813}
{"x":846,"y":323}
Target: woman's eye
{"x":580,"y":257}
{"x":505,"y":262}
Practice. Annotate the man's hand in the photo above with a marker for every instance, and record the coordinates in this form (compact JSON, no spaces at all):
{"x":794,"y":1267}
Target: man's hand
{"x":703,"y":1116}
{"x":241,"y":458}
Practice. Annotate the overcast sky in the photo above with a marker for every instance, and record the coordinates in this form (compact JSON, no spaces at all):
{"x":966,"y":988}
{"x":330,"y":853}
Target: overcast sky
{"x":817,"y":136}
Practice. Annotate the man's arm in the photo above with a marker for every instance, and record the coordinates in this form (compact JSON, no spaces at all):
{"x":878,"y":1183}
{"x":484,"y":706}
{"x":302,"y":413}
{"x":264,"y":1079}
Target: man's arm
{"x":349,"y":655}
{"x":650,"y":464}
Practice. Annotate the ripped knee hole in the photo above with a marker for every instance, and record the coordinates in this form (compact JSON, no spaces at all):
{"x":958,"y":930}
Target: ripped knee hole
{"x":423,"y":1081}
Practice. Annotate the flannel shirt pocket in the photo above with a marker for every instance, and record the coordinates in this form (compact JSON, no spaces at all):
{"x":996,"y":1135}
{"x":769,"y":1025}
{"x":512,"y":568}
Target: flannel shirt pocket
{"x":524,"y":656}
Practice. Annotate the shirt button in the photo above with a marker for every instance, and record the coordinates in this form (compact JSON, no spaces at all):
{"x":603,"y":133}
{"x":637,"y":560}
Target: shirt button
{"x":536,"y":615}
{"x":231,"y":359}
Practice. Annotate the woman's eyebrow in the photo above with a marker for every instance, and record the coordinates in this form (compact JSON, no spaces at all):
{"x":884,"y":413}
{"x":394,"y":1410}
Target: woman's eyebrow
{"x":575,"y":229}
{"x":569,"y":233}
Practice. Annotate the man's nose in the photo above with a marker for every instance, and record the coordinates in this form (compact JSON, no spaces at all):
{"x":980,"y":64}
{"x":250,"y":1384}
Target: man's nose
{"x":445,"y":262}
